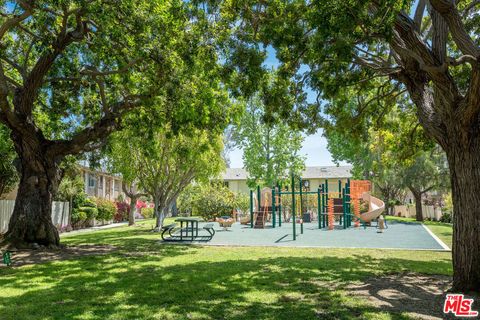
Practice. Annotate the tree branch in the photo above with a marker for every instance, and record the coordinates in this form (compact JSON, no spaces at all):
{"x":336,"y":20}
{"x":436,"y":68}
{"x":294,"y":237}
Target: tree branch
{"x":36,"y":76}
{"x":12,"y":22}
{"x":460,"y":36}
{"x":419,"y":14}
{"x":88,"y":138}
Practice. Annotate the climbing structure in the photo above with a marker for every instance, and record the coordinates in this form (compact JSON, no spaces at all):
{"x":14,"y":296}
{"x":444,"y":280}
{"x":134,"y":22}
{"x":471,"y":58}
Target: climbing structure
{"x":357,"y":190}
{"x":331,"y":218}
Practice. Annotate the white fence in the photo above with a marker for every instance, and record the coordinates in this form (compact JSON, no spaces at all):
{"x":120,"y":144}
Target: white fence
{"x":430,"y":212}
{"x":60,"y":213}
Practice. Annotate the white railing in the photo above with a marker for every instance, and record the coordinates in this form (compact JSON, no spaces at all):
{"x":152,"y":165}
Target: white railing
{"x":60,"y":213}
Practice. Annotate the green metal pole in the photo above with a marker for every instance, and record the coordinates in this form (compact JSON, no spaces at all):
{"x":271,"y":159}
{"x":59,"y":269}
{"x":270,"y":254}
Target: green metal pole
{"x":273,"y":207}
{"x":319,"y":209}
{"x":344,"y":207}
{"x":339,"y":188}
{"x":326,"y":192}
{"x":293,"y":208}
{"x":301,"y":199}
{"x":323,"y":205}
{"x":279,"y":207}
{"x":349,"y":204}
{"x":251,"y":208}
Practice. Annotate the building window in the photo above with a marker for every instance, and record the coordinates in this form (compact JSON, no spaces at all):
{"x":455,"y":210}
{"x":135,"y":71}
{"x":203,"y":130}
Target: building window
{"x":92,"y":180}
{"x":100,"y":185}
{"x":117,"y":185}
{"x":226,"y":184}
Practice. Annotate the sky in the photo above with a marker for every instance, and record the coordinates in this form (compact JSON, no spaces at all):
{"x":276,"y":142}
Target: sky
{"x":314,"y":146}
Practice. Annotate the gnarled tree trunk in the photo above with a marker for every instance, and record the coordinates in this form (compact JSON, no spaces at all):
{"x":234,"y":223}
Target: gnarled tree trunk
{"x":31,"y":221}
{"x":465,"y":180}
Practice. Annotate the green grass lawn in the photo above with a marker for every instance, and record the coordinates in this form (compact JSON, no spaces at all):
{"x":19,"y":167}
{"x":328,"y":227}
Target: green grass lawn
{"x":144,"y":279}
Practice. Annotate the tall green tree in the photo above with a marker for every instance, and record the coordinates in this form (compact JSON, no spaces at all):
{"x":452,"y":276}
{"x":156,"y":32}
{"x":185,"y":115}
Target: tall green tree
{"x":8,"y":173}
{"x":270,"y":150}
{"x":122,"y":160}
{"x":427,"y":172}
{"x":71,"y":70}
{"x":166,"y":163}
{"x":429,"y":52}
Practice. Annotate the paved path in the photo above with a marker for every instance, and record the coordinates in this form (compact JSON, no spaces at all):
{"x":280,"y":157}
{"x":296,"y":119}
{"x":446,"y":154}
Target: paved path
{"x":107,"y":226}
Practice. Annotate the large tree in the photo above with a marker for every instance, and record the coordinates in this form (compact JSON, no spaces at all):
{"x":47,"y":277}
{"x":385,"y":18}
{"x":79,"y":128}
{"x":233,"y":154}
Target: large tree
{"x":427,"y":172}
{"x":270,"y":149}
{"x":166,"y":162}
{"x":121,"y":160}
{"x":70,"y":70}
{"x":429,"y":51}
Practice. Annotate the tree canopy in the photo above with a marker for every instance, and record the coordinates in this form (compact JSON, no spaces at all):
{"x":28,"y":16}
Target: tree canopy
{"x":270,"y":149}
{"x":425,"y":53}
{"x":164,"y":163}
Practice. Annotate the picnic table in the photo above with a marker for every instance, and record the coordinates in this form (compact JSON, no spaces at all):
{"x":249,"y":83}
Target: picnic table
{"x":191,"y":224}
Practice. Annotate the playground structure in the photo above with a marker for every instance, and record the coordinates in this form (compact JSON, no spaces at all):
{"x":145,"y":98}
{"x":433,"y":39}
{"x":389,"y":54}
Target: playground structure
{"x":328,"y":208}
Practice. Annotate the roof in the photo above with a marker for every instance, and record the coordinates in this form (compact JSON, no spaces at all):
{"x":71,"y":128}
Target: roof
{"x":317,"y":172}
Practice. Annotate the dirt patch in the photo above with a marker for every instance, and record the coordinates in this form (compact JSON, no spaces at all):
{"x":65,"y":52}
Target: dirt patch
{"x":421,"y":296}
{"x":30,"y":256}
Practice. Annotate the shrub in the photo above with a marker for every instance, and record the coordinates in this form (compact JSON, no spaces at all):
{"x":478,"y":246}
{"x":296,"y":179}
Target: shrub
{"x":91,"y":213}
{"x":106,"y":209}
{"x":446,"y":217}
{"x":88,"y":202}
{"x":123,"y":209}
{"x":242,"y":202}
{"x":141,"y":204}
{"x":213,"y":201}
{"x":186,"y":199}
{"x":78,"y":217}
{"x":147,"y":213}
{"x":79,"y":199}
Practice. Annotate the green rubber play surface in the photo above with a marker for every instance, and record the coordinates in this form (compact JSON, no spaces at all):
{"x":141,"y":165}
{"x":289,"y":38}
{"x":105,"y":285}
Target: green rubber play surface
{"x":398,"y":235}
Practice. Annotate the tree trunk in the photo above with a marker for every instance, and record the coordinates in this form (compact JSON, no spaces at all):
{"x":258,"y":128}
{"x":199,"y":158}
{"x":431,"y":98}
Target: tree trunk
{"x":465,"y":180}
{"x":31,"y":221}
{"x":418,"y":204}
{"x":161,"y":216}
{"x":174,"y":208}
{"x":133,"y":209}
{"x":158,"y":222}
{"x":387,"y":207}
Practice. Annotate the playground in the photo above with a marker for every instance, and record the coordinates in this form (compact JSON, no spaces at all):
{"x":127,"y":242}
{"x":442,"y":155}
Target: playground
{"x":399,"y":235}
{"x":336,"y":215}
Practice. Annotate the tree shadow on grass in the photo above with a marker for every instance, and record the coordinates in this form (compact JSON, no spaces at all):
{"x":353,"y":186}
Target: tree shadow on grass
{"x":153,"y":287}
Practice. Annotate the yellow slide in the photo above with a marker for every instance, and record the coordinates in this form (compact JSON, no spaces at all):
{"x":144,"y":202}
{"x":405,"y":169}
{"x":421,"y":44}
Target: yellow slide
{"x":375,"y":207}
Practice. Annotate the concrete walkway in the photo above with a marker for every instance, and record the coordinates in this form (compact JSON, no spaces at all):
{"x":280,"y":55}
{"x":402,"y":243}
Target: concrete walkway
{"x":107,"y":226}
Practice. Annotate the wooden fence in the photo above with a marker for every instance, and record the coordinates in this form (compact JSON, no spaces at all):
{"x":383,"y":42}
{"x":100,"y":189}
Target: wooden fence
{"x":60,"y":213}
{"x":430,"y":212}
